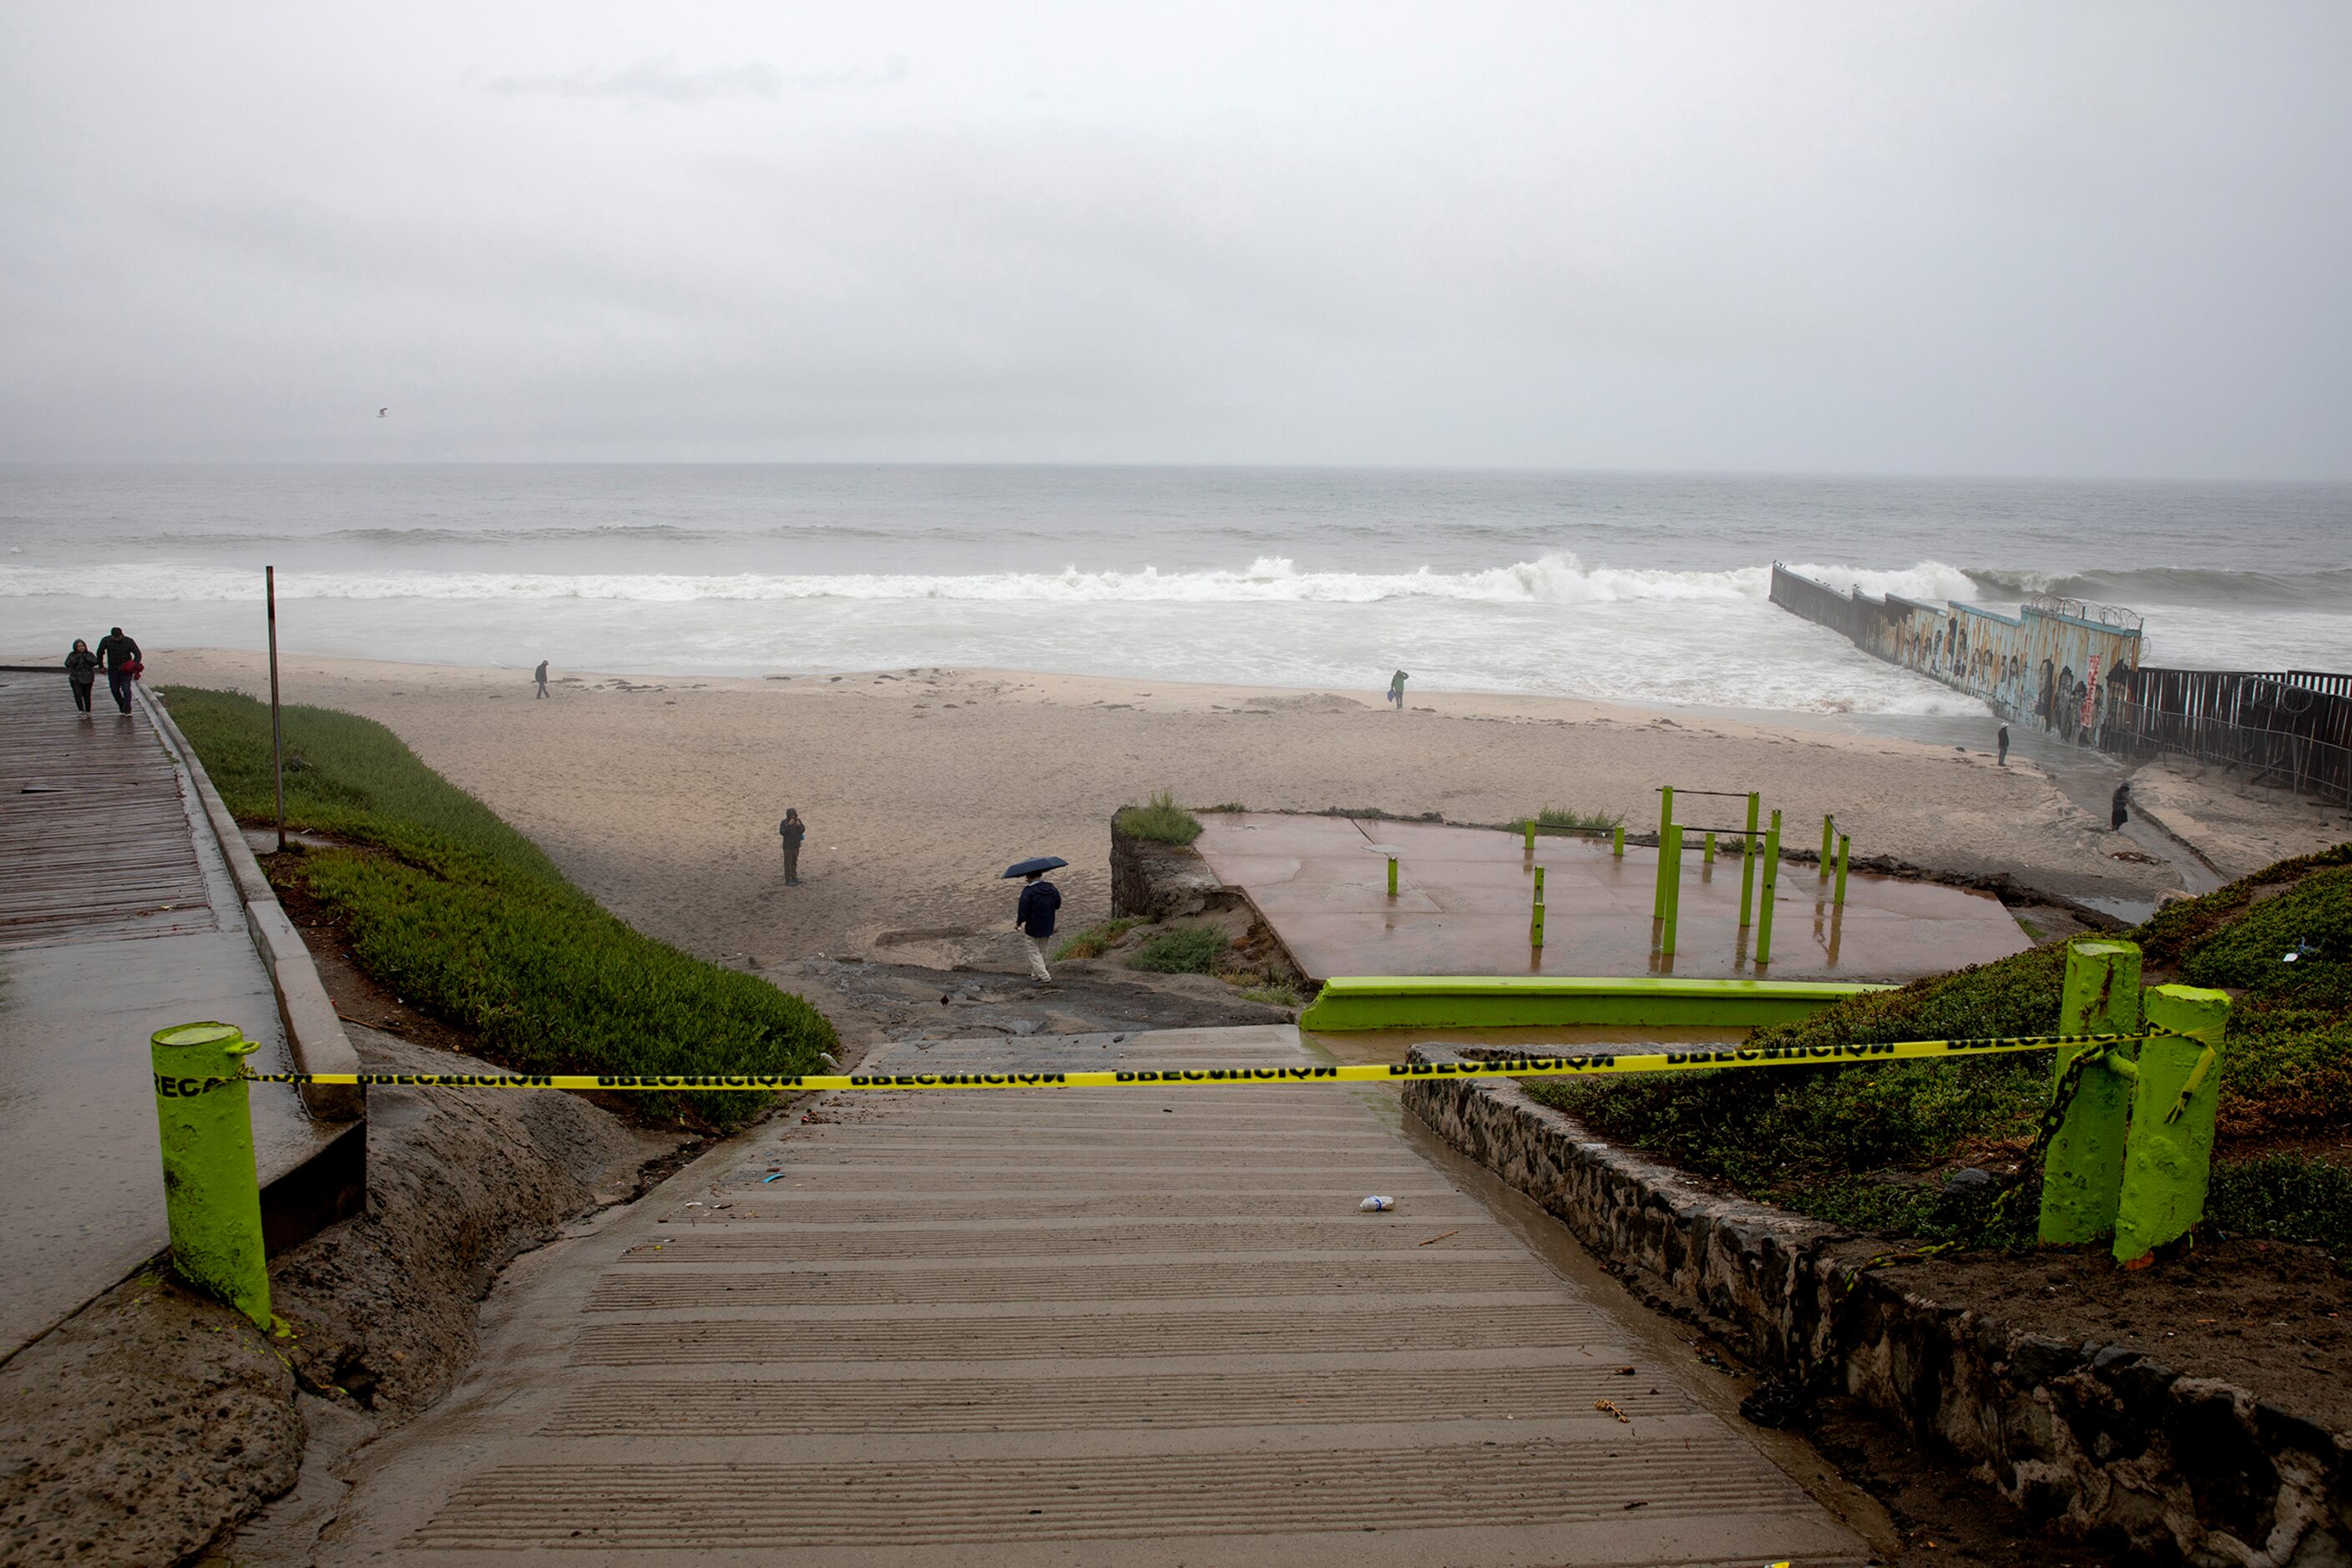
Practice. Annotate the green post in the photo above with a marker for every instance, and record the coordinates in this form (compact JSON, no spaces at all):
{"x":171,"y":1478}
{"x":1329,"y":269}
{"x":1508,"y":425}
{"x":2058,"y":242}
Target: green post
{"x":1845,"y":844}
{"x":1671,"y":854}
{"x":1530,"y":825}
{"x":2082,"y":1175}
{"x":1535,"y":917}
{"x":1747,"y":860}
{"x":1764,"y":905}
{"x":2169,"y":1153}
{"x":1828,"y":829}
{"x":1666,"y":820}
{"x":1393,"y":875}
{"x":1707,"y":855}
{"x":212,"y":1195}
{"x":1617,"y":841}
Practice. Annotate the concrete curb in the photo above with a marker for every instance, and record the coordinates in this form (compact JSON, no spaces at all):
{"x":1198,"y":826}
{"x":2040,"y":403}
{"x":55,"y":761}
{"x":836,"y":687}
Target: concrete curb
{"x":313,"y":1033}
{"x":2094,"y":1440}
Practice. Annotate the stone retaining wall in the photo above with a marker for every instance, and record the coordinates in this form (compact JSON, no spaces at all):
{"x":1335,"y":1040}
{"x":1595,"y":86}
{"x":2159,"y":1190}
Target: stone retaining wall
{"x":2094,"y":1440}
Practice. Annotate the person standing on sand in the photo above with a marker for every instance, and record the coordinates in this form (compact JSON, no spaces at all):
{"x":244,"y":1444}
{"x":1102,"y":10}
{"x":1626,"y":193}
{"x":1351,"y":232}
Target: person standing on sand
{"x":81,"y":673}
{"x":2001,"y":744}
{"x":540,"y":675}
{"x":122,"y":665}
{"x":1396,"y":690}
{"x":792,"y":830}
{"x":2117,"y":814}
{"x":1034,"y":916}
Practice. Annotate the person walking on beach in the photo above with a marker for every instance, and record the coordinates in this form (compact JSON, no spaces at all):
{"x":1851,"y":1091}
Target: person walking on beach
{"x":2116,"y":813}
{"x":81,"y":673}
{"x":792,"y":830}
{"x":1396,"y":690}
{"x":2001,"y":745}
{"x":121,"y":655}
{"x":1034,"y":916}
{"x":540,"y":675}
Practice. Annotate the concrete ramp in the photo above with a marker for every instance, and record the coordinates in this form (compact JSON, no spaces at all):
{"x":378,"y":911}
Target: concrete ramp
{"x":1124,"y":1325}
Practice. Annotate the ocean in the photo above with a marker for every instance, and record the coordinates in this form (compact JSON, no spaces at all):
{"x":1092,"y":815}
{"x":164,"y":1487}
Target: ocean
{"x":1634,"y":587}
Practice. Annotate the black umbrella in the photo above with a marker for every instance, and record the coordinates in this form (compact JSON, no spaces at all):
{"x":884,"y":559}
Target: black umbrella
{"x":1033,"y":864}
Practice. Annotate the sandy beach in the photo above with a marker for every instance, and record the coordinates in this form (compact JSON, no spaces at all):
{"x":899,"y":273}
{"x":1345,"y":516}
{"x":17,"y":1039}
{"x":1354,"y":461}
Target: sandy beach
{"x":661,"y":796}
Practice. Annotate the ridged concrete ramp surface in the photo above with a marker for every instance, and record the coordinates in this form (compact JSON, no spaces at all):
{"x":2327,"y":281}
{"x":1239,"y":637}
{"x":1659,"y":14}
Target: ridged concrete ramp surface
{"x":1136,"y":1325}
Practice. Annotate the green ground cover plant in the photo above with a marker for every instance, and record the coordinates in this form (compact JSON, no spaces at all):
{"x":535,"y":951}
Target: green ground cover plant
{"x":459,"y":913}
{"x":1868,"y":1146}
{"x":1570,"y":819}
{"x":1092,"y":941}
{"x":1190,"y":950}
{"x":1159,"y":819}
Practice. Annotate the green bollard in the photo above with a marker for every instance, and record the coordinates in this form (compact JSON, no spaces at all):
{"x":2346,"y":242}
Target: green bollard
{"x":1536,"y":916}
{"x":2082,"y":1175}
{"x":1393,"y":875}
{"x":1829,"y":829}
{"x":1747,"y":860}
{"x":1845,"y":845}
{"x":1706,"y":856}
{"x":1764,"y":904}
{"x":2169,"y":1153}
{"x":1671,"y":854}
{"x":1666,"y":820}
{"x":1530,"y":825}
{"x":212,"y":1195}
{"x":1617,"y":843}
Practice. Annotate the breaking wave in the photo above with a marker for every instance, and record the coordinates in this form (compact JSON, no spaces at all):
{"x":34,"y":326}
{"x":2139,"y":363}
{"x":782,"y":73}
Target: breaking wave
{"x":2138,"y":587}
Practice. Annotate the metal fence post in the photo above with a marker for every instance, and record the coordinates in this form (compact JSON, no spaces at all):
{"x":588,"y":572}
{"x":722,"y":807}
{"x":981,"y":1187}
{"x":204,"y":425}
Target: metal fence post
{"x":212,"y":1195}
{"x":2168,"y":1151}
{"x":1747,"y":860}
{"x":1771,"y":877}
{"x":2082,"y":1173}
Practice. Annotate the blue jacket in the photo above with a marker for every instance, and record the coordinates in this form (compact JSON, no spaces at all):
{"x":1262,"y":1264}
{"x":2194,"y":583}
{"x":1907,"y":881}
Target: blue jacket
{"x":1038,"y":902}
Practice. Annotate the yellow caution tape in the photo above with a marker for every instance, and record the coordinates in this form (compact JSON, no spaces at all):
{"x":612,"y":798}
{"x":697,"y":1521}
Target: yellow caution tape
{"x":1585,"y":1063}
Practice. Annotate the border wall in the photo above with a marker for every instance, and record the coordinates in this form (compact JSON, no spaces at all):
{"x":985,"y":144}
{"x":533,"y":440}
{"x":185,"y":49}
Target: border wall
{"x":2073,"y":669}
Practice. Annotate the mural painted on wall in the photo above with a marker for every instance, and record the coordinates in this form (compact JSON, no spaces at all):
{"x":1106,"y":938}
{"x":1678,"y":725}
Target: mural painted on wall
{"x":2037,"y":667}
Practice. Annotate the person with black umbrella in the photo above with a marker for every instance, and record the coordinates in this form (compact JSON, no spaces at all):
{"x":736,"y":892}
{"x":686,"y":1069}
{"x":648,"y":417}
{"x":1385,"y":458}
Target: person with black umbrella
{"x":1035,"y":913}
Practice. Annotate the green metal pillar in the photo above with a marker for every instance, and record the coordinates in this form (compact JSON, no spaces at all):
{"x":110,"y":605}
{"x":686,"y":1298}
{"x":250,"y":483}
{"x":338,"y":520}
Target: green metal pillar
{"x":1530,"y":825}
{"x":212,"y":1195}
{"x":1393,"y":875}
{"x":1617,"y":841}
{"x":2082,"y":1175}
{"x":1666,"y":820}
{"x":1536,"y":915}
{"x":1747,"y":860}
{"x":1764,"y":906}
{"x":2168,"y":1154}
{"x":1671,"y":852}
{"x":1706,"y":854}
{"x":1846,"y":845}
{"x":1829,"y":831}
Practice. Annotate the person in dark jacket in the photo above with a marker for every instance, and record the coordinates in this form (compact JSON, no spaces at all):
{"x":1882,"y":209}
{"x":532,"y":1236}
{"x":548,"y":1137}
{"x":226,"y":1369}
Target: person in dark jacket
{"x":792,"y":830}
{"x":120,"y":654}
{"x":2117,"y":814}
{"x":2001,"y":742}
{"x":1034,"y":916}
{"x":81,"y":673}
{"x":540,"y":675}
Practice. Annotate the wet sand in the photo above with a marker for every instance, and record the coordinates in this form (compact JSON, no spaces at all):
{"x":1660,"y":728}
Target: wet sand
{"x":661,"y":796}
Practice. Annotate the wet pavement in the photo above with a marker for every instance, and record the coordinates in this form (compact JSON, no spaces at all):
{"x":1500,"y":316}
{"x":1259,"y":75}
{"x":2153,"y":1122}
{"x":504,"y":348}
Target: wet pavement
{"x":119,"y":918}
{"x":1464,"y":895}
{"x":1119,"y":1325}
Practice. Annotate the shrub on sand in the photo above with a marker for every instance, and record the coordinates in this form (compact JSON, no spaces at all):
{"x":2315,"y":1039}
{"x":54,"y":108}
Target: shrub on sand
{"x":1161,"y":819}
{"x":1569,"y":817}
{"x":1092,"y":941}
{"x":1194,"y":950}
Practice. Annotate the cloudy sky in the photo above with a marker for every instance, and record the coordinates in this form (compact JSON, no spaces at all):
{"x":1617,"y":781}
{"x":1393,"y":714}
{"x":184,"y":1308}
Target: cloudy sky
{"x":2035,"y":239}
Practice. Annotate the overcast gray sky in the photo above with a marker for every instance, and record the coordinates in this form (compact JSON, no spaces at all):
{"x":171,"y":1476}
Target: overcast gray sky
{"x":2035,"y":239}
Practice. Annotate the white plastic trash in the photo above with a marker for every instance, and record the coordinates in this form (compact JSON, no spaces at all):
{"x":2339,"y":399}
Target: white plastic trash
{"x":1377,"y":1205}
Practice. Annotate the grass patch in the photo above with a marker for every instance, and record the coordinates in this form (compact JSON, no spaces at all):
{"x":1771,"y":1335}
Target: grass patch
{"x":1861,"y":1146}
{"x":460,"y":913}
{"x":1568,"y":820}
{"x":1272,"y":995}
{"x":1159,"y":819}
{"x":1091,"y":942}
{"x":1194,"y":950}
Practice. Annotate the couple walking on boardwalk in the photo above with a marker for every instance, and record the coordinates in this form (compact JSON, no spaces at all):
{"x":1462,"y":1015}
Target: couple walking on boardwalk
{"x":118,"y":654}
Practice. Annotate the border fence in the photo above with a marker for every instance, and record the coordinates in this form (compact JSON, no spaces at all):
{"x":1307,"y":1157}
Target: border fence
{"x":2290,"y":728}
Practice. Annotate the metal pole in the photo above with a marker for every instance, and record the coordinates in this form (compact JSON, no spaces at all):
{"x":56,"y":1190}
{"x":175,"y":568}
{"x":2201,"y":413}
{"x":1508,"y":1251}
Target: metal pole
{"x":1617,"y":841}
{"x":277,"y":737}
{"x":1530,"y":825}
{"x":211,"y":1196}
{"x":1844,"y":845}
{"x":1747,"y":860}
{"x":1666,"y":820}
{"x":1764,"y":908}
{"x":1536,"y":915}
{"x":1829,"y":827}
{"x":1393,"y":874}
{"x":1706,"y":854}
{"x":1671,"y":854}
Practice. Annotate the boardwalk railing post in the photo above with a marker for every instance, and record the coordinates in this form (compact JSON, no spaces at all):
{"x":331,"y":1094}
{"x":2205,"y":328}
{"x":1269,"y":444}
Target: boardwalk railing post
{"x":1747,"y":860}
{"x":2082,"y":1175}
{"x":212,"y":1195}
{"x":2168,"y":1151}
{"x":1764,"y":906}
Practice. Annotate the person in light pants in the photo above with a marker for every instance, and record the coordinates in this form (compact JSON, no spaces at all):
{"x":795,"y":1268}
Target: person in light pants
{"x":1034,"y":916}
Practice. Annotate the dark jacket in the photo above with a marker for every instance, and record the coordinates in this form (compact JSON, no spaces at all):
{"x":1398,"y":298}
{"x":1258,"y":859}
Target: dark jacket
{"x":1038,"y":902}
{"x":81,"y":667}
{"x":794,"y":830}
{"x":117,"y":652}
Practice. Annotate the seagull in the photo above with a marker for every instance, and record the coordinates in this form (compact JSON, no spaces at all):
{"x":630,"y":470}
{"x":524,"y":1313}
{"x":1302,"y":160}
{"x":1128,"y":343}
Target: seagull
{"x":382,"y":412}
